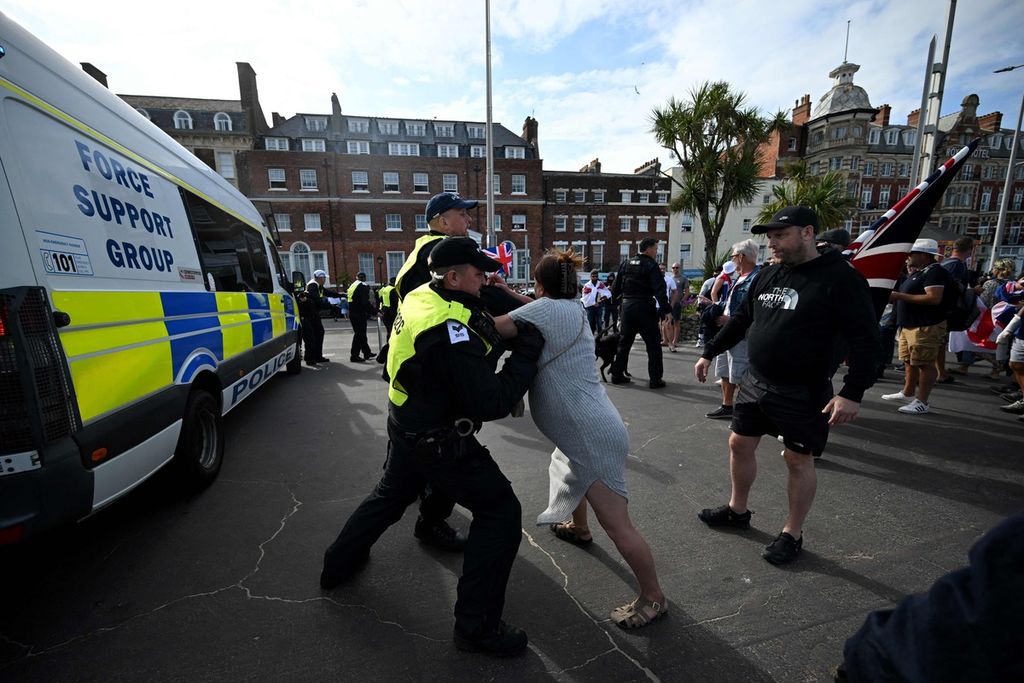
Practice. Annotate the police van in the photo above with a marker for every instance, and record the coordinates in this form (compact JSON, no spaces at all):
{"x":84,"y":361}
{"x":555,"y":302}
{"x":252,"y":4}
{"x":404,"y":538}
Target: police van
{"x":141,"y":297}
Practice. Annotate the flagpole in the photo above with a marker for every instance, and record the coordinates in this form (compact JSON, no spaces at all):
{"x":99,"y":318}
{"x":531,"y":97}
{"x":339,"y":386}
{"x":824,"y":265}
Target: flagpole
{"x":489,"y":194}
{"x":1007,"y":187}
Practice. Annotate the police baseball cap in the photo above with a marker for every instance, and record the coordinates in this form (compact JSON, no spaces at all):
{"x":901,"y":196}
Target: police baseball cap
{"x":791,"y":215}
{"x":443,"y":201}
{"x":457,"y":251}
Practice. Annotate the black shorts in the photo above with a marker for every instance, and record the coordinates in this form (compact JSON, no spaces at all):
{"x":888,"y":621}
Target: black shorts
{"x":677,"y":311}
{"x":792,"y":412}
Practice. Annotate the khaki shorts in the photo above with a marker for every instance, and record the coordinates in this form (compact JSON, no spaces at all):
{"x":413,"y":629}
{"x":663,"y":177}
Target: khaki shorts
{"x":921,"y":345}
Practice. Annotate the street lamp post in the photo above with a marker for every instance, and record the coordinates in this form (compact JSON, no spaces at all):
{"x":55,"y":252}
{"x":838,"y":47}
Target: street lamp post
{"x":380,"y":269}
{"x":1004,"y":206}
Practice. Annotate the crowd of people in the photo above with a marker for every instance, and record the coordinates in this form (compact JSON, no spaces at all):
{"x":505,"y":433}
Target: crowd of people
{"x":775,"y":334}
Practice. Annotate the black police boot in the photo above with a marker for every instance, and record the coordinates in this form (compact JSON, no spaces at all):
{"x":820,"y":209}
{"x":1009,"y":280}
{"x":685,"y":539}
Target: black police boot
{"x":621,"y":379}
{"x":440,"y":535}
{"x":504,"y":641}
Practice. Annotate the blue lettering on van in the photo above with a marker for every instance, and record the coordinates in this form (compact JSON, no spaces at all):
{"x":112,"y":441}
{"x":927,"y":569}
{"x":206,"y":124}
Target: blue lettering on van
{"x":139,"y":257}
{"x":113,"y":210}
{"x":111,"y":169}
{"x":245,"y":386}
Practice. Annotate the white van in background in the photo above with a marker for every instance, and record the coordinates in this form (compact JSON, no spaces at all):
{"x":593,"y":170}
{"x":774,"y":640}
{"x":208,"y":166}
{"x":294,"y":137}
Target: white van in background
{"x":141,"y":297}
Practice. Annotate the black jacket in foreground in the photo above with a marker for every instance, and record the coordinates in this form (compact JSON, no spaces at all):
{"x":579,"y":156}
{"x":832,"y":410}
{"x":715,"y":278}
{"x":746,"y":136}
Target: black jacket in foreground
{"x":792,"y":317}
{"x":640,"y":277}
{"x":447,"y":380}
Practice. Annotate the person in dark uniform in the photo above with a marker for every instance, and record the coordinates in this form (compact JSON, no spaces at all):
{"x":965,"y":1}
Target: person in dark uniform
{"x":310,"y":305}
{"x":641,"y":286}
{"x":444,"y":352}
{"x":360,"y":309}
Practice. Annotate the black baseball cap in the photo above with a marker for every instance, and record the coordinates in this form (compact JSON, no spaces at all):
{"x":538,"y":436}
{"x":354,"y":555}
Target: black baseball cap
{"x":457,"y":251}
{"x":840,"y":236}
{"x":443,"y":201}
{"x":791,"y":215}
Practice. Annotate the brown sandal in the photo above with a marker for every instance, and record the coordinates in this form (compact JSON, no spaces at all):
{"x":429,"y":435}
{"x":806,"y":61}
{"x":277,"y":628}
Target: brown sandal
{"x":638,"y":613}
{"x":567,"y":531}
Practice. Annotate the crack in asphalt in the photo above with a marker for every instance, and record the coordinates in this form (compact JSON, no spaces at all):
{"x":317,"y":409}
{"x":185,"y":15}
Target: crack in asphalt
{"x":597,"y":622}
{"x":31,"y":652}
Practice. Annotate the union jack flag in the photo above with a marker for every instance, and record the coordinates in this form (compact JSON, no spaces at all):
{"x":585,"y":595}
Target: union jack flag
{"x":880,"y":251}
{"x":503,"y":253}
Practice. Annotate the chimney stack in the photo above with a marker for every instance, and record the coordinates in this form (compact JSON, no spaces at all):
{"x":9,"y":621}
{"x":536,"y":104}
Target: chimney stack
{"x":913,"y":118}
{"x":993,"y":121}
{"x":250,"y":98}
{"x":882,"y":115}
{"x":802,"y":110}
{"x":593,"y":167}
{"x":95,"y":73}
{"x":530,"y":134}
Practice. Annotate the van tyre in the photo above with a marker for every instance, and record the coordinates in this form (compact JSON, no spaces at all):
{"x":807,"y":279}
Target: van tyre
{"x":294,"y":366}
{"x":200,"y":450}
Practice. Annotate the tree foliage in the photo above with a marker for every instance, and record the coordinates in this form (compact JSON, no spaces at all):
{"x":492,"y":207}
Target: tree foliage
{"x":825,"y":194}
{"x":716,"y":138}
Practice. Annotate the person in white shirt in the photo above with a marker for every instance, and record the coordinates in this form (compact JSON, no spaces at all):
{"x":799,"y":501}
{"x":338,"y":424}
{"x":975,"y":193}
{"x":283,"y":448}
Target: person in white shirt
{"x":594,"y":293}
{"x":672,"y":294}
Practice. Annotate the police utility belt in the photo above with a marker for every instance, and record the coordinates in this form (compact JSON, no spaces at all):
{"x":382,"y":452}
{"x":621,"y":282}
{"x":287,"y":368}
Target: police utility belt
{"x":440,"y":443}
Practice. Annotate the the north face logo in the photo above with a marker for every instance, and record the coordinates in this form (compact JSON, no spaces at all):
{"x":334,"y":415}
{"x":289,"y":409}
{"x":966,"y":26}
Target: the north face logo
{"x":779,"y":297}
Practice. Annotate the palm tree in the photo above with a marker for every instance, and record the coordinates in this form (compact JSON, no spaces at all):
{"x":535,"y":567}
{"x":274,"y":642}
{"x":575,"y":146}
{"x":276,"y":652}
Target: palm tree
{"x":825,"y":194}
{"x":717,"y":140}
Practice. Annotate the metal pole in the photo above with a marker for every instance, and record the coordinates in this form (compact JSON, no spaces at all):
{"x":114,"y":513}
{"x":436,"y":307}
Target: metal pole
{"x":489,"y":194}
{"x":1007,"y":188}
{"x":935,"y":100}
{"x":923,"y":112}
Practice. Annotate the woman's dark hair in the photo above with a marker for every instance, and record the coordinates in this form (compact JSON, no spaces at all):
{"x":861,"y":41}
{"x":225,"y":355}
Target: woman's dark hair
{"x":556,"y":273}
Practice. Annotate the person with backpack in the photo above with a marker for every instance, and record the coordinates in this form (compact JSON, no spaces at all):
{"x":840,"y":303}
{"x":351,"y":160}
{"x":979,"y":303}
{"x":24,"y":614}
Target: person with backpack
{"x":922,"y":302}
{"x":960,"y":315}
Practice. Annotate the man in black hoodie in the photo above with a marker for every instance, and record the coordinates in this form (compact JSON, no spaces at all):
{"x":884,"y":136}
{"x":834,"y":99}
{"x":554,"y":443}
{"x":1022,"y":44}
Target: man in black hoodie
{"x":791,"y":317}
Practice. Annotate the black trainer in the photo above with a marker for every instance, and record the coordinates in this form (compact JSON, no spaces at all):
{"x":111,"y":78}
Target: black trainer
{"x":620,"y":379}
{"x":724,"y":516}
{"x":440,"y":535}
{"x":783,"y":549}
{"x":504,"y":641}
{"x":723,"y":413}
{"x":656,"y":384}
{"x":323,"y":360}
{"x":332,"y":576}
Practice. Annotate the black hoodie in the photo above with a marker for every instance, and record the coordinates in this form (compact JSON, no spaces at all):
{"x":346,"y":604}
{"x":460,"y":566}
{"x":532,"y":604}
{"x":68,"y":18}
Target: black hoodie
{"x":792,"y":317}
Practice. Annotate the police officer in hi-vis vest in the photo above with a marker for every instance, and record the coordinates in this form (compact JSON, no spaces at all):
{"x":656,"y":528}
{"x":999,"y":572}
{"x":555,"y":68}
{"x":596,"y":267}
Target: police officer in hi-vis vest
{"x":641,"y":287}
{"x":387,"y":301}
{"x":360,"y":309}
{"x":443,"y":385}
{"x":312,"y":327}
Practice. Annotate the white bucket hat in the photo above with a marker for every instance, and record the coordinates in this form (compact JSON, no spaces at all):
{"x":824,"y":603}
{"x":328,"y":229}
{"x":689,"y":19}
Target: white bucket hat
{"x":925,"y":246}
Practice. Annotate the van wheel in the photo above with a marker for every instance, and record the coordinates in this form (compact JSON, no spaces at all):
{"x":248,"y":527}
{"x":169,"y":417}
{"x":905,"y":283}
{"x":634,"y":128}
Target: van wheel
{"x":200,"y":449}
{"x":294,"y":366}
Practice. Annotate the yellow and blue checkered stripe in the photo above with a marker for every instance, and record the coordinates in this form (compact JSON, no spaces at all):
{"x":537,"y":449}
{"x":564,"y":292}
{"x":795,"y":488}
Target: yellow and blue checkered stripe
{"x":125,"y":346}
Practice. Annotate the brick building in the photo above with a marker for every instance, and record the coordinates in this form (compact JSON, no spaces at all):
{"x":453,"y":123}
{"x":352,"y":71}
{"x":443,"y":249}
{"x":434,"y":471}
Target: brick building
{"x":216,"y":131}
{"x":347,"y":193}
{"x":844,"y":132}
{"x":604,"y":215}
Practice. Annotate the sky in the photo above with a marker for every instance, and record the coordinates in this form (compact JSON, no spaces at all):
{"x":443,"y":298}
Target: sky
{"x":590,"y":71}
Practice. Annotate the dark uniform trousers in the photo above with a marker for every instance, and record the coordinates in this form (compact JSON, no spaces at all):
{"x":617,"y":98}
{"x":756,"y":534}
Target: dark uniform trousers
{"x":313,"y":336}
{"x":639,"y":316}
{"x":474,"y":481}
{"x":360,"y":346}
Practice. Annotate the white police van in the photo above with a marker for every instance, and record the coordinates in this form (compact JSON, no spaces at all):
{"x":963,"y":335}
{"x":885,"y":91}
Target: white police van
{"x":141,"y":297}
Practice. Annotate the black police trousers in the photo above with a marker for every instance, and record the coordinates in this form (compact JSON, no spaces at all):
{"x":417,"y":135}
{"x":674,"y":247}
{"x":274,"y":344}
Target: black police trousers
{"x":360,"y":346}
{"x":639,"y":316}
{"x":313,"y":337}
{"x":475,"y":482}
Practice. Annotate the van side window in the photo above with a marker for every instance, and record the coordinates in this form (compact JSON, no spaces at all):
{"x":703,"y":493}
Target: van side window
{"x":233,"y":254}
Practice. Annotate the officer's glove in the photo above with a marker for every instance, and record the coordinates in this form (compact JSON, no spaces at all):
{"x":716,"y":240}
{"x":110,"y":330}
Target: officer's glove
{"x":528,"y":342}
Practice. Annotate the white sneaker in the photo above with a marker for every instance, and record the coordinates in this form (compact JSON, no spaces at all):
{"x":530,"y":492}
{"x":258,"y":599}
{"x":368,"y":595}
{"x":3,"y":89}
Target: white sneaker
{"x":915,"y":407}
{"x":898,"y":396}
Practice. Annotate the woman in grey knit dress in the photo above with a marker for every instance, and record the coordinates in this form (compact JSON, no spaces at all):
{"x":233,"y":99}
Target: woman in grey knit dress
{"x":570,"y":407}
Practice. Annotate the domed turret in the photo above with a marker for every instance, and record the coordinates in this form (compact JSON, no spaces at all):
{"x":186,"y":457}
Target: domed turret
{"x":844,"y":95}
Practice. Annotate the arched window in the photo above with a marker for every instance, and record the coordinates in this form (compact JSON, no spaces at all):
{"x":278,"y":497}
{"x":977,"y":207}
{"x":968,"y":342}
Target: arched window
{"x":305,"y":260}
{"x":182,"y":120}
{"x":221,"y":121}
{"x":143,"y":112}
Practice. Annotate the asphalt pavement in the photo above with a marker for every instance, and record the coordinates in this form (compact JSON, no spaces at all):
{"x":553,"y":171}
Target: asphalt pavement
{"x":223,"y":585}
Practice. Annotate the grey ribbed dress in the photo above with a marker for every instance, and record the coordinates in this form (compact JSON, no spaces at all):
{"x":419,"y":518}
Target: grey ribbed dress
{"x":569,"y":405}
